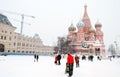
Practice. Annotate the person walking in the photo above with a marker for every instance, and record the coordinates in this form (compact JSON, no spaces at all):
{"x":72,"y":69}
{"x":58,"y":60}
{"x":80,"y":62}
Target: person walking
{"x":70,"y":62}
{"x":83,"y":57}
{"x":56,"y":59}
{"x":37,"y":57}
{"x":99,"y":57}
{"x":77,"y":60}
{"x":90,"y":57}
{"x":59,"y":58}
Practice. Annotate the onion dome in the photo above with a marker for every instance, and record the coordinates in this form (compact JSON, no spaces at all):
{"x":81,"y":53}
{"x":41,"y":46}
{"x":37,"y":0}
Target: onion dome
{"x":71,"y":28}
{"x":98,"y":24}
{"x":91,"y":30}
{"x":80,"y":24}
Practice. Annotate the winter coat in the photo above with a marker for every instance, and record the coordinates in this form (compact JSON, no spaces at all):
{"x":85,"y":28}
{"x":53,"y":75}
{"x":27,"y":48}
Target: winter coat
{"x":56,"y":58}
{"x":70,"y":59}
{"x":59,"y":57}
{"x":76,"y":59}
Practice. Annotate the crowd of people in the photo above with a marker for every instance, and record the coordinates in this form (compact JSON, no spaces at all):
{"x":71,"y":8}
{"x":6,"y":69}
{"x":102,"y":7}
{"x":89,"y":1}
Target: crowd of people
{"x":36,"y":57}
{"x":69,"y":63}
{"x":71,"y":60}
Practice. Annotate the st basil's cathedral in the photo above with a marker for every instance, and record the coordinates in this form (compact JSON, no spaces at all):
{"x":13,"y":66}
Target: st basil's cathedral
{"x":84,"y":38}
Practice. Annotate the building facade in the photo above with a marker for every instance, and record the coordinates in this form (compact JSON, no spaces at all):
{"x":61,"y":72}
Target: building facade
{"x":15,"y":43}
{"x":87,"y":40}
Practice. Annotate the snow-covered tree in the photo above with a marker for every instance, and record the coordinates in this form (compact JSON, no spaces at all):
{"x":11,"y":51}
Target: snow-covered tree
{"x":63,"y":46}
{"x":111,"y":50}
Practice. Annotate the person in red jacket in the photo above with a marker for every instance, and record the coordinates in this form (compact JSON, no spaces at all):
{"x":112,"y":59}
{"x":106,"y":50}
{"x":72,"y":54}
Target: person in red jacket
{"x":56,"y":59}
{"x":77,"y":60}
{"x":70,"y":61}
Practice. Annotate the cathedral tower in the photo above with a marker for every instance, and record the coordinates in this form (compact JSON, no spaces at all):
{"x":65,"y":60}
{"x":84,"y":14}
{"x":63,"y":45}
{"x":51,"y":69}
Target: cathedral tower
{"x":86,"y":40}
{"x":98,"y":33}
{"x":71,"y":31}
{"x":86,"y":20}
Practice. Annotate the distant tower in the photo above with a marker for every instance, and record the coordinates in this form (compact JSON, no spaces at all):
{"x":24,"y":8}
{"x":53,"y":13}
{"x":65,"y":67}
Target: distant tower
{"x":71,"y":31}
{"x":99,"y":33}
{"x":91,"y":34}
{"x":86,"y":20}
{"x":80,"y":33}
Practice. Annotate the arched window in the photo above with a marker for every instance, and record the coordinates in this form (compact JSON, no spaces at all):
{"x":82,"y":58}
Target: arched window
{"x":5,"y":38}
{"x":1,"y":48}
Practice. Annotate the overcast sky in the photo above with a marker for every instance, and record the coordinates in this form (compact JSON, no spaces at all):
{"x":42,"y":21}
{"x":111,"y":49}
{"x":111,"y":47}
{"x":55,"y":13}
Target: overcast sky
{"x":53,"y":17}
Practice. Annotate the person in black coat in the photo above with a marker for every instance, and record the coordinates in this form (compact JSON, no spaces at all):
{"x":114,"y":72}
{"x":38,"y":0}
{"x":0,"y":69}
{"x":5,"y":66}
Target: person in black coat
{"x":59,"y":58}
{"x":83,"y":57}
{"x":90,"y":57}
{"x":37,"y":57}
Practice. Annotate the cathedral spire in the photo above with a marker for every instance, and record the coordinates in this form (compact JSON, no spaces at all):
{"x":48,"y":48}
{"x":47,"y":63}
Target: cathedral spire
{"x":85,"y":16}
{"x":86,"y":20}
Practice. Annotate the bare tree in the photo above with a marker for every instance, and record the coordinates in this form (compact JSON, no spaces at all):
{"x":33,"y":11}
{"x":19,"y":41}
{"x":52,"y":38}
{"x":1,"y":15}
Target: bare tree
{"x":63,"y":46}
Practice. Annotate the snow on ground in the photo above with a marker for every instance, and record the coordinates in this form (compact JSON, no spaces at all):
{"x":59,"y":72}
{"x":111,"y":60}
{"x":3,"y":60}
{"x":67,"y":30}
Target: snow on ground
{"x":24,"y":66}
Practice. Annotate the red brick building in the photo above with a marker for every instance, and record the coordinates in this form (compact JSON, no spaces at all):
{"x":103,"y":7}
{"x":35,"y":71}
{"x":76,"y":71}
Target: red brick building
{"x":84,"y":38}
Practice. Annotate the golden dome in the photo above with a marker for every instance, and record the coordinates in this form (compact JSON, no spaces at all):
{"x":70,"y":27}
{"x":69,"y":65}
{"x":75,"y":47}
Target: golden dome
{"x":91,"y":30}
{"x":71,"y":28}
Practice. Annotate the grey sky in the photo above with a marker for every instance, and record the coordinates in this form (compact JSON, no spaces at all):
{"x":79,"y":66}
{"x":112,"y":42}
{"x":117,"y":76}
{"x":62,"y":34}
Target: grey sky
{"x":53,"y":17}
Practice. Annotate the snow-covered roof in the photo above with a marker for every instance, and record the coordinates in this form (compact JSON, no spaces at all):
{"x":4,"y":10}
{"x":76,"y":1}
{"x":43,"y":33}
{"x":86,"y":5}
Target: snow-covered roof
{"x":4,"y":20}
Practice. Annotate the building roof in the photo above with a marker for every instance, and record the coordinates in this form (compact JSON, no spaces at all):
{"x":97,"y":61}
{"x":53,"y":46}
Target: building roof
{"x":4,"y":20}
